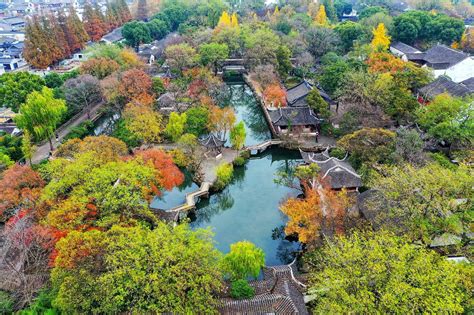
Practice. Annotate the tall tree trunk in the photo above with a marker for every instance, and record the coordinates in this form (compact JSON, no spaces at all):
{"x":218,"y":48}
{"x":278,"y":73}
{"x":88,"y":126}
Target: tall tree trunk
{"x":51,"y":144}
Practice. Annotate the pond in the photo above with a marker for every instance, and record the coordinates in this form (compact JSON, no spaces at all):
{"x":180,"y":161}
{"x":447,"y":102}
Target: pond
{"x":247,"y":110}
{"x":175,"y":197}
{"x":248,"y":209}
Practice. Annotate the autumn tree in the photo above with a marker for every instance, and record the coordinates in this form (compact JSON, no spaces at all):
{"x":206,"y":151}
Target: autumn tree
{"x":41,"y":114}
{"x":237,"y":135}
{"x":99,"y":67}
{"x":93,"y":22}
{"x":135,"y":85}
{"x":221,"y":120}
{"x":382,"y":273}
{"x":275,"y":96}
{"x":143,"y":122}
{"x":36,"y":51}
{"x":82,"y":93}
{"x":180,"y":57}
{"x":104,"y":148}
{"x":321,"y":17}
{"x":91,"y":273}
{"x":21,"y":189}
{"x":176,"y":125}
{"x":76,"y":35}
{"x":381,"y":40}
{"x":142,"y":10}
{"x":169,"y":174}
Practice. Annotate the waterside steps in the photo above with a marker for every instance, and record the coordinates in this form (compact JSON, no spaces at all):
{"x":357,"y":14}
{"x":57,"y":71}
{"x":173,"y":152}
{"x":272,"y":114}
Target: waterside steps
{"x":190,"y":203}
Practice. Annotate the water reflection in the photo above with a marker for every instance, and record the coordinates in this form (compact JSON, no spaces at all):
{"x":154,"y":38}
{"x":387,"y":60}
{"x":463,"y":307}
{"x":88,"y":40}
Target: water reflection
{"x":248,"y":209}
{"x":175,"y":197}
{"x":247,"y":110}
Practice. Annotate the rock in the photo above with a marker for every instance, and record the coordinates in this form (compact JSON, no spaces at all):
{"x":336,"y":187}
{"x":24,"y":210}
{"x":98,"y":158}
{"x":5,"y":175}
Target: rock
{"x":446,"y":239}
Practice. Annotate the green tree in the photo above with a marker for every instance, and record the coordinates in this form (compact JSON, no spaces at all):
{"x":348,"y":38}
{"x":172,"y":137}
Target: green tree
{"x":82,"y":93}
{"x":381,"y":273}
{"x":158,"y":29}
{"x":11,"y":146}
{"x":197,"y":120}
{"x":213,"y":54}
{"x":449,"y":119}
{"x":26,"y":146}
{"x":283,"y":55}
{"x":224,"y":173}
{"x":237,"y":135}
{"x":41,"y":114}
{"x":422,"y":201}
{"x":321,"y":40}
{"x":15,"y":87}
{"x":53,"y":80}
{"x":136,"y":33}
{"x":349,"y":32}
{"x":318,"y":104}
{"x":244,"y":260}
{"x":175,"y":127}
{"x":372,"y":10}
{"x":158,"y":87}
{"x":333,"y":74}
{"x":369,"y":145}
{"x":133,"y":269}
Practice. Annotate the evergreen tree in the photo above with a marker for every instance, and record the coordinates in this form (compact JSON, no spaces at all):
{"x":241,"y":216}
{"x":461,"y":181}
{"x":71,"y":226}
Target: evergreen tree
{"x":330,"y":10}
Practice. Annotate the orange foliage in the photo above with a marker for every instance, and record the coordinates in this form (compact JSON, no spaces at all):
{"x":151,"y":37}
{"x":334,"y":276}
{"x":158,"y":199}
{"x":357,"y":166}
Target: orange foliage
{"x":169,"y":174}
{"x":322,"y":210}
{"x":135,"y":85}
{"x":275,"y":95}
{"x":385,"y":62}
{"x":20,"y":189}
{"x":105,"y":148}
{"x":99,"y":67}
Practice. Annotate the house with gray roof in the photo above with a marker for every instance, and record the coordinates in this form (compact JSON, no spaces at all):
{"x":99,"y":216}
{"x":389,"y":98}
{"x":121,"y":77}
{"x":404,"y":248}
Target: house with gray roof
{"x":296,"y":96}
{"x":294,"y":120}
{"x":335,"y":173}
{"x":114,"y":36}
{"x":443,"y":60}
{"x":444,"y":84}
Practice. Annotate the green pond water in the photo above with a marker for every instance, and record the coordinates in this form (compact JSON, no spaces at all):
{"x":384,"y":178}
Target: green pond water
{"x":248,"y":209}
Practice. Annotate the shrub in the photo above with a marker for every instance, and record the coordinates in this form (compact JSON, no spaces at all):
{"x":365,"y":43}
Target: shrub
{"x":241,"y":289}
{"x":338,"y":153}
{"x":239,"y":161}
{"x":442,"y":160}
{"x":82,"y":130}
{"x":6,"y":303}
{"x":180,"y":158}
{"x":245,"y":154}
{"x":244,"y":260}
{"x":121,"y":132}
{"x":224,"y":175}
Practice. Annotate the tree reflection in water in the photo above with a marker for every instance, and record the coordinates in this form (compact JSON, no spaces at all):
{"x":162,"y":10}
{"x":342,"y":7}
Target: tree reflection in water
{"x":208,"y":208}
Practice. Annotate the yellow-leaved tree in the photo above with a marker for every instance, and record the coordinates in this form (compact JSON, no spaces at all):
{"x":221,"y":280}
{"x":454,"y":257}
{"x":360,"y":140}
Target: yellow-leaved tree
{"x":234,"y":20}
{"x":321,"y":17}
{"x":381,"y":40}
{"x":224,"y":20}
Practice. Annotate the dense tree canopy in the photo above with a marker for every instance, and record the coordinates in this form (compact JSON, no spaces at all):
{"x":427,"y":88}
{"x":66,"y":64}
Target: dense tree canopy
{"x":136,"y":269}
{"x":381,"y":273}
{"x":15,"y":87}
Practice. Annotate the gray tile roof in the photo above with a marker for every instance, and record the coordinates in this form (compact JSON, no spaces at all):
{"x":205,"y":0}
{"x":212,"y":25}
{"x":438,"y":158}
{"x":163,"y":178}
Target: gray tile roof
{"x":336,"y":173}
{"x":278,"y":293}
{"x":404,"y":48}
{"x":296,"y":96}
{"x":212,"y":142}
{"x":294,"y":116}
{"x":113,"y":36}
{"x":443,"y":57}
{"x":469,"y":83}
{"x":444,"y":85}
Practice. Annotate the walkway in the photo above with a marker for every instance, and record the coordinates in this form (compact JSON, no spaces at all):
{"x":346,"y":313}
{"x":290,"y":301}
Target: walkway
{"x":42,"y":151}
{"x":209,"y":165}
{"x":263,"y":145}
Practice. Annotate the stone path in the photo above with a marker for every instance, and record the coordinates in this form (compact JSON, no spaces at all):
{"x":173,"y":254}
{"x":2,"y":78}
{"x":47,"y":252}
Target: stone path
{"x":42,"y":151}
{"x":208,"y":166}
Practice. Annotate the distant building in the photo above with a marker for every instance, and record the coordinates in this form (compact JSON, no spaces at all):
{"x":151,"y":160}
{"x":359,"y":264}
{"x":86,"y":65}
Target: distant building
{"x":296,"y":96}
{"x":444,"y":84}
{"x":7,"y":125}
{"x":443,"y":60}
{"x":335,"y":173}
{"x":9,"y":63}
{"x":113,"y":37}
